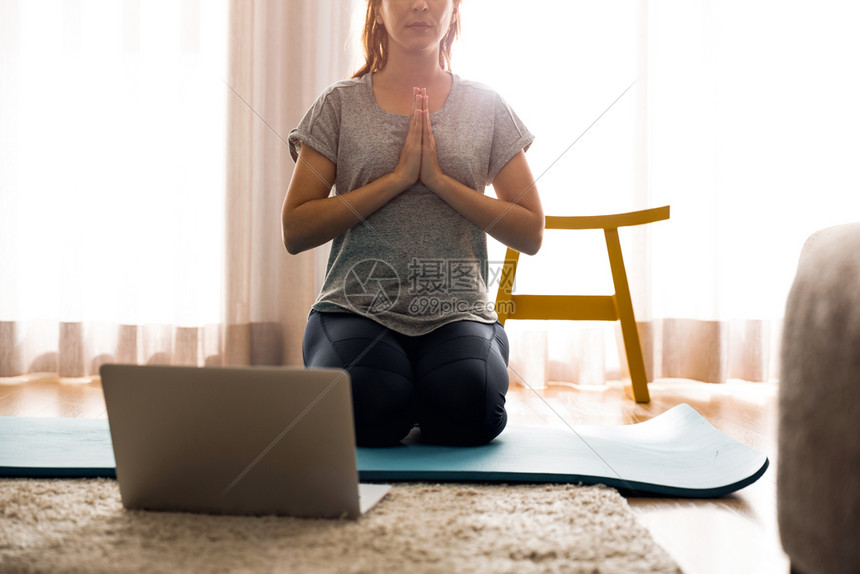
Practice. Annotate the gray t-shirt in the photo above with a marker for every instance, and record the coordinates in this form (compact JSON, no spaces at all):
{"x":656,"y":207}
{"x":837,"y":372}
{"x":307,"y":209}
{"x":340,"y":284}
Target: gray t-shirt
{"x":415,"y":264}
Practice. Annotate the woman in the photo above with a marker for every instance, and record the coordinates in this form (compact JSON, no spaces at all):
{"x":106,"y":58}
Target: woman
{"x":409,"y":148}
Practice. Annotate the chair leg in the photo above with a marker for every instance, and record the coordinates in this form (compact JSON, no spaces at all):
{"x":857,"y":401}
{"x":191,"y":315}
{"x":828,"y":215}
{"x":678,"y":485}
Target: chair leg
{"x":624,"y":303}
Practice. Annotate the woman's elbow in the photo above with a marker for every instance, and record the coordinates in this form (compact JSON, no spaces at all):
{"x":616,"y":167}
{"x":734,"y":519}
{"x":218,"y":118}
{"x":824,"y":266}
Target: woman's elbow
{"x":291,"y":242}
{"x":292,"y":248}
{"x":535,"y":239}
{"x":534,"y":244}
{"x":291,"y":234}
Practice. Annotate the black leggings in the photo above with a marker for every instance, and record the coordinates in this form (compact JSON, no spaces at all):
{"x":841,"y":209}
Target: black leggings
{"x":451,"y":381}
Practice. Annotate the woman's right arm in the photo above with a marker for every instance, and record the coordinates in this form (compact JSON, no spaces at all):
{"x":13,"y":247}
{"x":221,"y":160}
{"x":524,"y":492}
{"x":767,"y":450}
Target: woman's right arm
{"x":310,"y":217}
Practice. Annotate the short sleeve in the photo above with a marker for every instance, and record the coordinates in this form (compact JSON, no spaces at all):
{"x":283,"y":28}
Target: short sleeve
{"x":510,"y":136}
{"x":320,"y":127}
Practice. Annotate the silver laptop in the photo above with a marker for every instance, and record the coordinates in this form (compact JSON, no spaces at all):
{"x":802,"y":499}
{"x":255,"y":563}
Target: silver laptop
{"x":224,"y":440}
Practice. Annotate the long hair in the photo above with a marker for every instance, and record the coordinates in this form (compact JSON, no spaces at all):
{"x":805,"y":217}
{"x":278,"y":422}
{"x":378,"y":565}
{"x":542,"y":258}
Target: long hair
{"x":374,"y":39}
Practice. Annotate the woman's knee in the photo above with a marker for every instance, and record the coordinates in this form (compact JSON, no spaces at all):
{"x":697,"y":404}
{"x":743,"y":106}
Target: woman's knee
{"x":379,"y":370}
{"x":460,"y":404}
{"x":461,"y":382}
{"x":463,"y":402}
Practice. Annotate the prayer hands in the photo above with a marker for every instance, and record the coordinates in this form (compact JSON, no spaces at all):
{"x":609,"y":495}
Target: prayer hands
{"x":418,"y":160}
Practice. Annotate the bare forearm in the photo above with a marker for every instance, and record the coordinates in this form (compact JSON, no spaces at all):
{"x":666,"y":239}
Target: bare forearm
{"x":508,"y":222}
{"x":316,"y":222}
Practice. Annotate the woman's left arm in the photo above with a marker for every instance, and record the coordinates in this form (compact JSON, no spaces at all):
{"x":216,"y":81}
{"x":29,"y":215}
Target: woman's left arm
{"x":516,"y":218}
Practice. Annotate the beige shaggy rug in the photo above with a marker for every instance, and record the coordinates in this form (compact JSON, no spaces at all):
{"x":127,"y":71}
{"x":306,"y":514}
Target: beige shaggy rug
{"x":80,"y":526}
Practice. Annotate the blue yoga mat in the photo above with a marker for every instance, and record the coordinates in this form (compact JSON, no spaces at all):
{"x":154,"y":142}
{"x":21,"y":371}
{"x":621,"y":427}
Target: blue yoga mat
{"x":677,"y":453}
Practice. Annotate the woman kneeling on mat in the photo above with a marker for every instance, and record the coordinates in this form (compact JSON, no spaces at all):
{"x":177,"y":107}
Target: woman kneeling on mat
{"x":409,"y":148}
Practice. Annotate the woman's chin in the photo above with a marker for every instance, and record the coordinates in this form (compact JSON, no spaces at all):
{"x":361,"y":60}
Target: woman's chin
{"x":419,"y":44}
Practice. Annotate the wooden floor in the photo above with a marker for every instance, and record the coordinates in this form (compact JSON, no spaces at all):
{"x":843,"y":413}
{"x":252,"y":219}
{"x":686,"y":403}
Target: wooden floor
{"x":737,"y":533}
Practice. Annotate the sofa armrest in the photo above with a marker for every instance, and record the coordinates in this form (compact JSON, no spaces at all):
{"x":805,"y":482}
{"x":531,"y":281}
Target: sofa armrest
{"x":818,"y":480}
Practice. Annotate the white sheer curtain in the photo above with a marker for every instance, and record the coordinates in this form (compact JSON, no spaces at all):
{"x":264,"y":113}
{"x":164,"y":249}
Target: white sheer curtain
{"x":744,"y":119}
{"x":112,"y":183}
{"x":752,"y":134}
{"x":140,"y":186}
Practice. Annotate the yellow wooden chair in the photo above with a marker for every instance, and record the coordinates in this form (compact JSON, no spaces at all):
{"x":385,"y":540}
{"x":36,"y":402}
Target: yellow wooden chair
{"x":587,"y":307}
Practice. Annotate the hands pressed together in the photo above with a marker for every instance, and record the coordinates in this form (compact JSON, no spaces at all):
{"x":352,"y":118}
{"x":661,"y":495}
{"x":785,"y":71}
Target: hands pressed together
{"x":418,"y":160}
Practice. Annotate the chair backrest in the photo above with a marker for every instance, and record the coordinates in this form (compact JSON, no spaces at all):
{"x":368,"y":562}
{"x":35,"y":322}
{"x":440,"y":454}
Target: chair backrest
{"x":612,"y":221}
{"x":571,"y":307}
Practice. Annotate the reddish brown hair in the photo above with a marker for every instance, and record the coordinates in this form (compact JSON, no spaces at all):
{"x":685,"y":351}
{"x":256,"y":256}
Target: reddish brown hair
{"x":374,"y":39}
